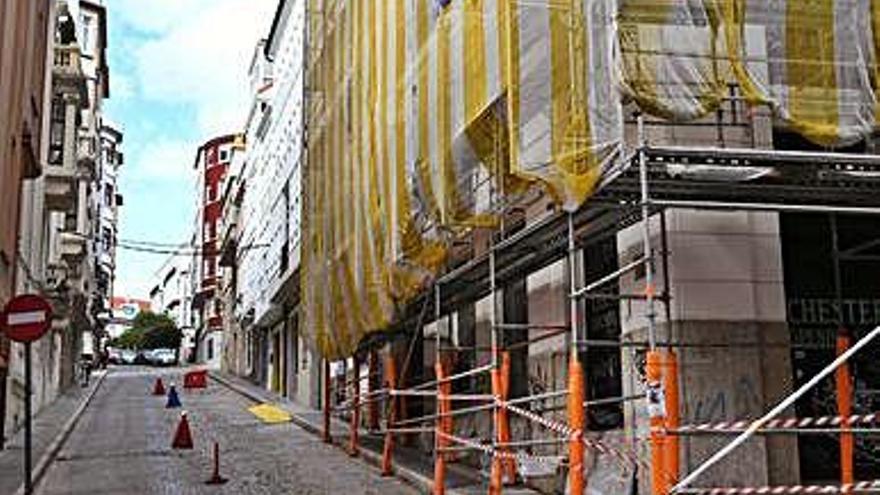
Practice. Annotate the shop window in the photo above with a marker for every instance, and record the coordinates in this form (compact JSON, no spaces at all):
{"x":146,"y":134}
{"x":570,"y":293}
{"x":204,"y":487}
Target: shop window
{"x":816,"y":310}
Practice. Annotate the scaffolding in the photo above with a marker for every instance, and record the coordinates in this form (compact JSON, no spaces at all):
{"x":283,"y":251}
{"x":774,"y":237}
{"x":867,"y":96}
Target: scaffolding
{"x":803,"y":182}
{"x":636,"y":187}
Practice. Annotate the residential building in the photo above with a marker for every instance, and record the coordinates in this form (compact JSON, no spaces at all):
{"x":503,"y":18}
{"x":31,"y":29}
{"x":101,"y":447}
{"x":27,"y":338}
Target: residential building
{"x":236,"y":342}
{"x":263,"y":246}
{"x":211,"y":163}
{"x":107,"y":201}
{"x":171,"y":295}
{"x":62,"y":212}
{"x":124,"y":310}
{"x":25,"y":57}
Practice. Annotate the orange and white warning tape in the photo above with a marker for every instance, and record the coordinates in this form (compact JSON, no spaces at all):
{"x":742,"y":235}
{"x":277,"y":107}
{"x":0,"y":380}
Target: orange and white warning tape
{"x":862,"y":486}
{"x":815,"y":422}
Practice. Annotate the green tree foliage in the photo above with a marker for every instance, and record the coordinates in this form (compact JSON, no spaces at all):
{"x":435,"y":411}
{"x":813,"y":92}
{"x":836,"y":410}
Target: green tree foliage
{"x":150,"y":331}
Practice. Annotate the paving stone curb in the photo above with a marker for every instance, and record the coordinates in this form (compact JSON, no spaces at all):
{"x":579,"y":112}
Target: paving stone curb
{"x":52,"y":450}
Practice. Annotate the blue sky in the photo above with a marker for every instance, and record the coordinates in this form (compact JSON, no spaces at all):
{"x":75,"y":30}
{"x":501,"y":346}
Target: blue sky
{"x":178,"y":75}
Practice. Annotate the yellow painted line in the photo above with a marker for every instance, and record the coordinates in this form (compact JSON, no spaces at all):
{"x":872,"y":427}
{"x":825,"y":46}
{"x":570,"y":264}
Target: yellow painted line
{"x":270,"y":414}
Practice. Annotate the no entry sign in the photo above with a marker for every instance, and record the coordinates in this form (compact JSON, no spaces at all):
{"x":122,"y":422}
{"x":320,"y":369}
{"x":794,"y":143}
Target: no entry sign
{"x":26,"y":318}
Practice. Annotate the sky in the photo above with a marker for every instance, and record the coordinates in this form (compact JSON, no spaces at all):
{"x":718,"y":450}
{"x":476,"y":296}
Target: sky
{"x":178,"y":76}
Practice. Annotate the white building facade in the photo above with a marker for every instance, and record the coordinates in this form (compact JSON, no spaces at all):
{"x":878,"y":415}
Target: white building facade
{"x":270,"y":211}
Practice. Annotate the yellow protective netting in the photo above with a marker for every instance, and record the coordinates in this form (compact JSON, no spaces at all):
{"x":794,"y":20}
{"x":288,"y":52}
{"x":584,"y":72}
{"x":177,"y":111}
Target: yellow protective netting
{"x":813,"y":61}
{"x":427,"y":116}
{"x":673,"y":56}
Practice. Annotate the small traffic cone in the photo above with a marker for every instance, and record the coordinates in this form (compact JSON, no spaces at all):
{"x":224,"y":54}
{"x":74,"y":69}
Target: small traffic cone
{"x":159,"y":387}
{"x":173,"y":399}
{"x":183,"y":437}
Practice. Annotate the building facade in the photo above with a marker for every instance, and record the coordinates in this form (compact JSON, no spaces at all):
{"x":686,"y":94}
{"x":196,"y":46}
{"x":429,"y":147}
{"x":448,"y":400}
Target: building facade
{"x":263,"y":255}
{"x":65,"y":210}
{"x":25,"y":58}
{"x":212,"y":163}
{"x":124,"y":310}
{"x":171,"y":295}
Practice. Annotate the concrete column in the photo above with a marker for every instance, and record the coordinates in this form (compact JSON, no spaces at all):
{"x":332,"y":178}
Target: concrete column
{"x":726,"y":282}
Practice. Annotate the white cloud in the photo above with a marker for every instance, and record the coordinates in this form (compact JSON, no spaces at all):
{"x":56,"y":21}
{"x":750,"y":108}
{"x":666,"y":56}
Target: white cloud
{"x":122,"y":86}
{"x":164,"y":160}
{"x":198,"y":54}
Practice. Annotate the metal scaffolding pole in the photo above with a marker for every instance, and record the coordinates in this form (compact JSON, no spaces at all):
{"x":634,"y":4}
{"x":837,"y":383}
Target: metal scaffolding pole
{"x":646,"y":235}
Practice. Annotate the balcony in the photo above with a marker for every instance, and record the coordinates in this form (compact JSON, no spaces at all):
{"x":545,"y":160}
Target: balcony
{"x":73,"y":247}
{"x":86,"y":156}
{"x":67,"y":70}
{"x":61,"y":188}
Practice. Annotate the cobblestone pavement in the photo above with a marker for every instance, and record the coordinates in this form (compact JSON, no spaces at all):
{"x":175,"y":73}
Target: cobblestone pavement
{"x":122,"y":445}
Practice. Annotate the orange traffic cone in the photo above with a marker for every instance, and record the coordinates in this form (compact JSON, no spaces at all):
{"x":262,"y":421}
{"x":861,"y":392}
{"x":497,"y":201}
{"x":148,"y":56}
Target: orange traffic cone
{"x":159,"y":387}
{"x":183,"y":437}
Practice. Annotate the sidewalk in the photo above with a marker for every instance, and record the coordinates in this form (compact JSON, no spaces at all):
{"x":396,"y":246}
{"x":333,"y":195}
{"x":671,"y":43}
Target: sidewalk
{"x":409,"y":464}
{"x":50,"y":428}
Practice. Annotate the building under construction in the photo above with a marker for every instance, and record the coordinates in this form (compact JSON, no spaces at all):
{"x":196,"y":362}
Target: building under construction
{"x":592,"y":246}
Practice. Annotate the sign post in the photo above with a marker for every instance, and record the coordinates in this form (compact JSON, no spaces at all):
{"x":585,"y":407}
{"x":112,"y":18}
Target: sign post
{"x":25,"y":319}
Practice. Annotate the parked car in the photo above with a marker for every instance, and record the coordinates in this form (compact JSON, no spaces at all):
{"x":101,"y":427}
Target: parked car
{"x":142,"y":357}
{"x":128,"y":356}
{"x":114,"y":356}
{"x":164,"y":357}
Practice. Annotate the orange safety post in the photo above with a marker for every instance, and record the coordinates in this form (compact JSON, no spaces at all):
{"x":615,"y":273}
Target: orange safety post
{"x":391,"y":385}
{"x":496,"y":475}
{"x":446,"y":405}
{"x":326,"y":401}
{"x":356,"y":409}
{"x":654,"y":372}
{"x":671,"y":462}
{"x":509,"y":465}
{"x":440,"y":440}
{"x":373,"y":404}
{"x":577,"y":421}
{"x":844,"y":409}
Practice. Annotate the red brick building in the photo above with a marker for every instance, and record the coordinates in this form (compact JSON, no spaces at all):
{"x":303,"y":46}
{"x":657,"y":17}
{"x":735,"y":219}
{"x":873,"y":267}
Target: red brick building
{"x":212,"y":163}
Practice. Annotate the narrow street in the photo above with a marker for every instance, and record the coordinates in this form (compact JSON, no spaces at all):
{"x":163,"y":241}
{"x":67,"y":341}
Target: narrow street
{"x":122,"y":444}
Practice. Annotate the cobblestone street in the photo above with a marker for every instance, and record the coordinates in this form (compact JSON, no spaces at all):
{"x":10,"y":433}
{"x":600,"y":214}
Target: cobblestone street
{"x":122,"y":444}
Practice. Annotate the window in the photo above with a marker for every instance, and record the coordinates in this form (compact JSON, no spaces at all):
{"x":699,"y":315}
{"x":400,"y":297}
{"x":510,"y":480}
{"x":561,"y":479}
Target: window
{"x":224,"y":155}
{"x":109,"y":197}
{"x":210,"y":349}
{"x":56,"y":131}
{"x":87,"y":35}
{"x":107,"y":238}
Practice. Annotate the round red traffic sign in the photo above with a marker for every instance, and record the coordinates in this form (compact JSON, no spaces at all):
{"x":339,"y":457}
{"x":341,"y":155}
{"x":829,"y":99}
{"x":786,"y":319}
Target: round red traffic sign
{"x":26,"y":318}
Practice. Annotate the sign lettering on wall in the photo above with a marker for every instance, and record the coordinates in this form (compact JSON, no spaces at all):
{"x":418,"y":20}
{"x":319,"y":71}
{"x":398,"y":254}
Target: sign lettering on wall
{"x":853,"y":312}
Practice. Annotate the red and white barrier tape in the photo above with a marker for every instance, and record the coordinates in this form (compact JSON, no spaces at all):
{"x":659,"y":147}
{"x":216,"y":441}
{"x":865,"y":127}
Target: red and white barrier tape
{"x":489,"y":450}
{"x":794,"y":489}
{"x":628,"y":461}
{"x":855,"y":419}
